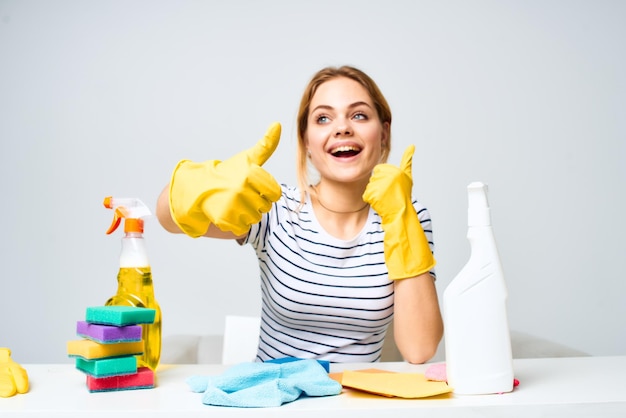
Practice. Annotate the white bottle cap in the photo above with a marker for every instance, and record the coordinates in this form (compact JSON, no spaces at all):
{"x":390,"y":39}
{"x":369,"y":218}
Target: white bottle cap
{"x":478,"y":213}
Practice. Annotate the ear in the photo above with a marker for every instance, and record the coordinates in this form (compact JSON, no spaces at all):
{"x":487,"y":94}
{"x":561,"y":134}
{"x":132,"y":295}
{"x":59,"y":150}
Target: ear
{"x":385,"y":137}
{"x":386,"y":134}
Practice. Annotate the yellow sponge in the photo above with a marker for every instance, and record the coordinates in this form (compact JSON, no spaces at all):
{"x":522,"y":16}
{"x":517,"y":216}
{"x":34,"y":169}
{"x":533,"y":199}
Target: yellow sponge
{"x":90,"y":350}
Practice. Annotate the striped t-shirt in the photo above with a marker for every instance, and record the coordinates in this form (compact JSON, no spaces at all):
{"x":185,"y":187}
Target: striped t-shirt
{"x":322,"y":297}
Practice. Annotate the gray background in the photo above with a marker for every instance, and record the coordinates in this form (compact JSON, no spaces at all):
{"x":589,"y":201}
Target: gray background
{"x":103,"y":98}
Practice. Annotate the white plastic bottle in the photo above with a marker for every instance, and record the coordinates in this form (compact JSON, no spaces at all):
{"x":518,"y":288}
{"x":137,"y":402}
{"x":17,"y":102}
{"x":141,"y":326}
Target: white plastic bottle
{"x":477,"y":338}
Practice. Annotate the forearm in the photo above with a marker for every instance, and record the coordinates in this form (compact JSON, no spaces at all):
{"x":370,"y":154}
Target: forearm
{"x":163,"y":212}
{"x":418,"y":325}
{"x":165,"y":219}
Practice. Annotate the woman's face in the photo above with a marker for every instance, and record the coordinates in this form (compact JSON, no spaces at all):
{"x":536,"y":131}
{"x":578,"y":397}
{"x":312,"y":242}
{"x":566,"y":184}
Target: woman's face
{"x":344,"y":135}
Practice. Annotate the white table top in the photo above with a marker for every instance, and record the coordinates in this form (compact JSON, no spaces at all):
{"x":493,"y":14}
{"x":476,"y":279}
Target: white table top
{"x":568,"y":387}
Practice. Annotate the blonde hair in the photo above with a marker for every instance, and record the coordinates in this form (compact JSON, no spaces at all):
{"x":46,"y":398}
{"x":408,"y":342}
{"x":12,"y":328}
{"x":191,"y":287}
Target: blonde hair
{"x":322,"y":76}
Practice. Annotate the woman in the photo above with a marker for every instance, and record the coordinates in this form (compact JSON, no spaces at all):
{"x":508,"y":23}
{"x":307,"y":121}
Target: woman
{"x":339,"y":257}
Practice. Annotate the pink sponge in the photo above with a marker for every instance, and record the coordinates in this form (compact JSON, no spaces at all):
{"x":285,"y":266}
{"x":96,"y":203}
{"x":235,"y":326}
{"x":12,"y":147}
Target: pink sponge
{"x":143,"y":379}
{"x":436,"y":372}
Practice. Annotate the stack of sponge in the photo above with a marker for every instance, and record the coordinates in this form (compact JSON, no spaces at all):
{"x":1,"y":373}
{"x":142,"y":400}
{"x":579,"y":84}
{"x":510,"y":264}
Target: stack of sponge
{"x":107,"y":353}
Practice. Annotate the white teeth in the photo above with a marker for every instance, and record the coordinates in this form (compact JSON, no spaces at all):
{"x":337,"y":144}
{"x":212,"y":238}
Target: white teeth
{"x":345,"y":148}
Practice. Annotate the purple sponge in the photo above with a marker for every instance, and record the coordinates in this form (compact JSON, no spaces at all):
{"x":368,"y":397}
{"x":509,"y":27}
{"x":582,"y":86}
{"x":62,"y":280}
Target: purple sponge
{"x":108,"y":334}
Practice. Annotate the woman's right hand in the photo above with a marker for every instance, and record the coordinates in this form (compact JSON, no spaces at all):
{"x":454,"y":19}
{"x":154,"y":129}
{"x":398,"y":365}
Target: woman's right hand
{"x":231,"y":194}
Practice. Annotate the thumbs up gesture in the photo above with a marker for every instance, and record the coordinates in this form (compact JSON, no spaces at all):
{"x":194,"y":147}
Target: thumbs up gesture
{"x":231,"y":194}
{"x":389,"y":189}
{"x":407,"y":253}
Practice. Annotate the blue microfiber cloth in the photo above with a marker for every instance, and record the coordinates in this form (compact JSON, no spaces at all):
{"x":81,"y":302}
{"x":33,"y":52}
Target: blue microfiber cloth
{"x":259,"y":385}
{"x":324,"y":363}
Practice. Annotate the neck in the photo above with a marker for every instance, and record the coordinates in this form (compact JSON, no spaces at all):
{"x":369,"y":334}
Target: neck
{"x":343,"y":201}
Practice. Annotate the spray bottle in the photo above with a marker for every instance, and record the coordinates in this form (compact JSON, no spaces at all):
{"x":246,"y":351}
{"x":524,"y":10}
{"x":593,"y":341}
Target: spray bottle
{"x":134,"y":281}
{"x":477,"y":338}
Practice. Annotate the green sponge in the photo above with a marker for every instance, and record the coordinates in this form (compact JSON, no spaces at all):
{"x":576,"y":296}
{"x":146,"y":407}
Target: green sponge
{"x":108,"y":367}
{"x":119,"y":315}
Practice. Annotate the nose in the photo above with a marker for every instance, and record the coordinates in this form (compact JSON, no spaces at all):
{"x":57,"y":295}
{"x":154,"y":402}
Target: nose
{"x":342,"y":129}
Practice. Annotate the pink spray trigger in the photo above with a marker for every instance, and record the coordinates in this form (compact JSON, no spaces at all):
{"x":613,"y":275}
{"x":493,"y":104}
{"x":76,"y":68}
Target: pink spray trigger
{"x":127,"y":208}
{"x":118,"y":214}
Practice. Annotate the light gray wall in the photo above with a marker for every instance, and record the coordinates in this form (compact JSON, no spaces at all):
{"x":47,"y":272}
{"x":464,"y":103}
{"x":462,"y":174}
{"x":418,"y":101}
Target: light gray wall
{"x":103,"y":98}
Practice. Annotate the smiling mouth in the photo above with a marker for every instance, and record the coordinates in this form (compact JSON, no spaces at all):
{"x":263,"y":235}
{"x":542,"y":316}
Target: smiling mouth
{"x":345,"y":151}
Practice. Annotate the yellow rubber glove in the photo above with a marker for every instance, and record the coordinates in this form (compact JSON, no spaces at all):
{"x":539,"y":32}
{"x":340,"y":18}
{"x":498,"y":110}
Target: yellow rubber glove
{"x":231,"y":194}
{"x":388,"y":192}
{"x":13,"y":378}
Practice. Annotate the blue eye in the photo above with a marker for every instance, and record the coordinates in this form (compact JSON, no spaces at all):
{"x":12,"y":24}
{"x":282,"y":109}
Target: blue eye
{"x":360,"y":116}
{"x":322,"y":119}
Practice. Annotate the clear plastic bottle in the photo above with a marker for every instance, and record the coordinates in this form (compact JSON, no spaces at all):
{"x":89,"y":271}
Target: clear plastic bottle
{"x":134,"y":280}
{"x":477,"y":337}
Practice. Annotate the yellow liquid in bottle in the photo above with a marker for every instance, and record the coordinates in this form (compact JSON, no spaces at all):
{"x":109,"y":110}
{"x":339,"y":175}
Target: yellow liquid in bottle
{"x":135,"y":289}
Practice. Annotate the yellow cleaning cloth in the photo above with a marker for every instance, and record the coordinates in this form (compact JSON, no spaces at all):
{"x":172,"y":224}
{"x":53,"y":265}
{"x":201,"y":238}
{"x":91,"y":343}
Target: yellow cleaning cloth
{"x":401,"y":385}
{"x":90,"y":350}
